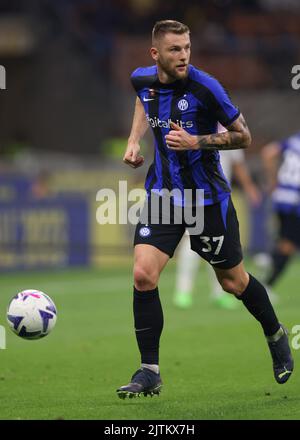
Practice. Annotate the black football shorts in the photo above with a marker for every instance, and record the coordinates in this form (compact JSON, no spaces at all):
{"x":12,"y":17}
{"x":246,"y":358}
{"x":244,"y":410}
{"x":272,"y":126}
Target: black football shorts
{"x":289,"y":227}
{"x":218,"y":243}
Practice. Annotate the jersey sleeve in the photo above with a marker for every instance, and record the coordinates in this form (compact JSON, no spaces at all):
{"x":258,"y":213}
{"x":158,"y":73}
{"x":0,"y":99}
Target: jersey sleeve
{"x":291,"y":140}
{"x":135,"y":80}
{"x":219,"y":104}
{"x":283,"y":144}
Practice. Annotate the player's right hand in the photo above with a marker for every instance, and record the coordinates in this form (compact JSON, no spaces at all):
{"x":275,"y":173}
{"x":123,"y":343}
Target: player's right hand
{"x":132,"y":156}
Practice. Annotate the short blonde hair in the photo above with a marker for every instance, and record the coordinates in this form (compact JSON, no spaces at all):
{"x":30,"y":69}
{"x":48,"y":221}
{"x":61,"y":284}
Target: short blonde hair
{"x":168,"y":26}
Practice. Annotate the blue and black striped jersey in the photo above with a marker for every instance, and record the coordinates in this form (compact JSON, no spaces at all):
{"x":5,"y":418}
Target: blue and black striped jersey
{"x":196,"y":103}
{"x":286,"y":196}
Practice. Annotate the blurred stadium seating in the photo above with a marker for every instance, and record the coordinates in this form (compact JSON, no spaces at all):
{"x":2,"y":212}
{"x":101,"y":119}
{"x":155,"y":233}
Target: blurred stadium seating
{"x":66,"y":113}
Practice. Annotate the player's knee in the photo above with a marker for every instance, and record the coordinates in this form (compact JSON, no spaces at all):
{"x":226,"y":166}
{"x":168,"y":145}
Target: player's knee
{"x":227,"y":285}
{"x":234,"y":286}
{"x":286,"y":247}
{"x":145,"y":278}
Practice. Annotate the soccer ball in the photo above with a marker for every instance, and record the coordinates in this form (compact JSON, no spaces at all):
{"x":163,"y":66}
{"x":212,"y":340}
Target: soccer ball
{"x":31,"y":314}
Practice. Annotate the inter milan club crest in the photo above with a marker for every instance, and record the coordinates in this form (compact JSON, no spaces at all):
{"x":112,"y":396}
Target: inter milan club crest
{"x":152,"y":93}
{"x":145,"y":232}
{"x":183,"y":105}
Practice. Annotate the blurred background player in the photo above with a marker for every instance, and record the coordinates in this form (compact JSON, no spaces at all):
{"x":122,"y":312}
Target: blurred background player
{"x":233,"y":163}
{"x":282,"y":164}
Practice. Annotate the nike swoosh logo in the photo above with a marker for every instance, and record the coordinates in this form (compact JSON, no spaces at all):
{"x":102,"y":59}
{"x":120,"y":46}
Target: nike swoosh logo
{"x":148,"y":99}
{"x":217,"y":261}
{"x":142,"y":329}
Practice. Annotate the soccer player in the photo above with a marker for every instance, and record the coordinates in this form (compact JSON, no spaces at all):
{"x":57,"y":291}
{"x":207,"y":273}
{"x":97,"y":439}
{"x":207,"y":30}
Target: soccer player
{"x":232,"y":162}
{"x":183,"y":105}
{"x":282,"y":164}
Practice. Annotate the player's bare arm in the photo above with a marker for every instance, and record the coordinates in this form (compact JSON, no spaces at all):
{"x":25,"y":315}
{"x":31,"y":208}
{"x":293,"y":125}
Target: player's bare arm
{"x":243,"y":177}
{"x":132,"y":155}
{"x":270,"y":154}
{"x":237,"y":136}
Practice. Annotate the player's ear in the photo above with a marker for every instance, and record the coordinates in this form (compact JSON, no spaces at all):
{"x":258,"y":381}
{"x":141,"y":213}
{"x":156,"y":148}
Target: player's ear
{"x":154,"y":53}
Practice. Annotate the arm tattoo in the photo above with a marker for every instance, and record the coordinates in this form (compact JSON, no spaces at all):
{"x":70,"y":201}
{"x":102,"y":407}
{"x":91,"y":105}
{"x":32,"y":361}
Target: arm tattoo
{"x":230,"y":140}
{"x":236,"y":137}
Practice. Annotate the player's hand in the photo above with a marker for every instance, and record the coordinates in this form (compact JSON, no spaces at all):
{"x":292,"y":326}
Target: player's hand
{"x":132,"y":156}
{"x":254,"y":195}
{"x":179,"y":139}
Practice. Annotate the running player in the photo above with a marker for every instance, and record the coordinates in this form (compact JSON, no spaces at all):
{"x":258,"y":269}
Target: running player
{"x":282,"y":164}
{"x":183,"y":105}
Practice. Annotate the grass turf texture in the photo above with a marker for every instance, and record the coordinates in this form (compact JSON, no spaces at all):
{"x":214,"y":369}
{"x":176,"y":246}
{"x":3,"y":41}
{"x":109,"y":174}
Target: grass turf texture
{"x":215,"y":364}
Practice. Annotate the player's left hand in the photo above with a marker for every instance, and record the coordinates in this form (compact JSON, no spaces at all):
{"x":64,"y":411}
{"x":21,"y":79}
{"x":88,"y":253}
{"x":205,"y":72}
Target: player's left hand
{"x":179,"y":139}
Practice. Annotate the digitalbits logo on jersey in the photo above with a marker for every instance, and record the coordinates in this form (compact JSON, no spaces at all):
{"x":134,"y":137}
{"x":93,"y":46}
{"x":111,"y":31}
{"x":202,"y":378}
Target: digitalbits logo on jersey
{"x":183,"y":105}
{"x":145,"y":231}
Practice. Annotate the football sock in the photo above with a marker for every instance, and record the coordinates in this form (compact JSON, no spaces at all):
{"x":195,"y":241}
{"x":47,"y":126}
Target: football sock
{"x":279,"y":262}
{"x":152,"y":367}
{"x":277,"y":336}
{"x":256,"y":300}
{"x":187,"y":268}
{"x":148,"y":322}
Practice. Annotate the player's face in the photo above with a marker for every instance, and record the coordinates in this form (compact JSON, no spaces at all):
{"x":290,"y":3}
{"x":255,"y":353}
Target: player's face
{"x":172,"y":55}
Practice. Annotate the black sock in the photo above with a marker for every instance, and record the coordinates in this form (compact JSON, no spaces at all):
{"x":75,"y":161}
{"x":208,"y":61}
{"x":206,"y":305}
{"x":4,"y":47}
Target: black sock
{"x":256,"y":300}
{"x":279,"y":262}
{"x":148,"y":321}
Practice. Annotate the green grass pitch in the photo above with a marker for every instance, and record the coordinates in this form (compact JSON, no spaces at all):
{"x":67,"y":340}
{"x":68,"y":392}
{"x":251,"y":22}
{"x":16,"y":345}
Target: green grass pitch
{"x":215,"y":364}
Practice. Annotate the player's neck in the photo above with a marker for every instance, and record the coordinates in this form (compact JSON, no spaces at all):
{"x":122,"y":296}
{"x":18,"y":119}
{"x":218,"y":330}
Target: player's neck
{"x":164,"y":77}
